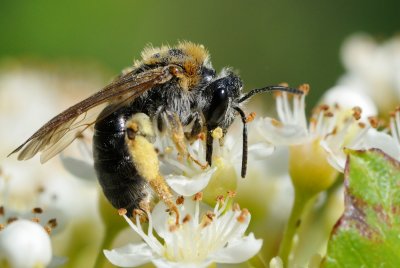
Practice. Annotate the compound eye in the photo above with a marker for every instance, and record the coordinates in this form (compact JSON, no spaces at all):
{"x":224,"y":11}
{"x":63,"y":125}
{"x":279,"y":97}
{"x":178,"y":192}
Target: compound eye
{"x":219,"y":105}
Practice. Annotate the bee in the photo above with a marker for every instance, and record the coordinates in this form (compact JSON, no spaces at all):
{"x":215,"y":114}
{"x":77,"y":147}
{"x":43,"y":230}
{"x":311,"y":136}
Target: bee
{"x":176,"y":87}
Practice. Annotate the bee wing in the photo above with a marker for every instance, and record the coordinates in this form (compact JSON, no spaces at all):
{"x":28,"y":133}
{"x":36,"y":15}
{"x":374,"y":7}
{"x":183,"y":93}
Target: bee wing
{"x":60,"y":131}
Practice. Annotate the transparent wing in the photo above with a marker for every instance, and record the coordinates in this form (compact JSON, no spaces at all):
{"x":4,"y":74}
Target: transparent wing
{"x":60,"y":131}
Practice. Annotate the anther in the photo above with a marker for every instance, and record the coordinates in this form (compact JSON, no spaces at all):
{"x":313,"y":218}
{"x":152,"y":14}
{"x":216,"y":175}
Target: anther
{"x":186,"y":219}
{"x":357,"y":112}
{"x":37,"y":210}
{"x":210,"y":215}
{"x":180,"y":200}
{"x":276,"y":123}
{"x":250,"y":117}
{"x":236,"y":207}
{"x":373,"y":121}
{"x":305,"y":88}
{"x":2,"y":211}
{"x":198,"y":196}
{"x":220,"y":198}
{"x":35,"y":219}
{"x":173,"y":228}
{"x":2,"y":226}
{"x":47,"y":229}
{"x":122,"y":211}
{"x":52,"y":223}
{"x":243,"y":215}
{"x":231,"y":194}
{"x":11,"y":219}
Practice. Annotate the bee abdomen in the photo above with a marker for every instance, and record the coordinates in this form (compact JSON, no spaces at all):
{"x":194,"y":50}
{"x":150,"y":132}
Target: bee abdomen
{"x":117,"y":175}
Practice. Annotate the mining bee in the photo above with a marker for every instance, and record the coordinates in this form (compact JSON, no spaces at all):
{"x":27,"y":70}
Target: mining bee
{"x":177,"y":85}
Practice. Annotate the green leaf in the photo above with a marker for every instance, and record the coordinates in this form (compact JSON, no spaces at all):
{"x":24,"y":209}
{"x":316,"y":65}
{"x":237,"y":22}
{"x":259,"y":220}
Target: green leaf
{"x":368,"y":233}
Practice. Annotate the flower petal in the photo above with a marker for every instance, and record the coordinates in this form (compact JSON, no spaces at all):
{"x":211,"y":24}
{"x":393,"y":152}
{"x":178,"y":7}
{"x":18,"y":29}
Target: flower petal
{"x":285,"y":134}
{"x":163,"y":263}
{"x":238,"y":250}
{"x":260,"y":151}
{"x":130,"y":255}
{"x":185,"y":186}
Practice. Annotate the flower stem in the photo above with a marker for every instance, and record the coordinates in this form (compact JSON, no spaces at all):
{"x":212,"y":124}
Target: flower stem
{"x":109,"y":236}
{"x":300,"y":201}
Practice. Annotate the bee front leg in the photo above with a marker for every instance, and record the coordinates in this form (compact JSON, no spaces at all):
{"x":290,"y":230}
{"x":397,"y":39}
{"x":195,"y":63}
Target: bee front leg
{"x":139,"y":134}
{"x":178,"y":137}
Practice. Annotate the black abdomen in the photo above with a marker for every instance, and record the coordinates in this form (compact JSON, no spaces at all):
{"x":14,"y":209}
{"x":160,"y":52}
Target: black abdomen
{"x":118,"y":177}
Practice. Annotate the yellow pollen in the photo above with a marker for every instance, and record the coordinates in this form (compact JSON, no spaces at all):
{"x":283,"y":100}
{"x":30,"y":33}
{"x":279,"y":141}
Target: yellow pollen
{"x":217,"y":133}
{"x":276,"y":123}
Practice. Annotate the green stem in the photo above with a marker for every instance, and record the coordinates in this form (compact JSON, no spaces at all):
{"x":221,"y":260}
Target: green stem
{"x":109,"y":236}
{"x":300,"y":201}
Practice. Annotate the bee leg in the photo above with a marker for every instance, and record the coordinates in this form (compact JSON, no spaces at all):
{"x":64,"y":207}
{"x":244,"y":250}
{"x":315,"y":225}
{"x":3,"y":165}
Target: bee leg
{"x":139,"y":133}
{"x":178,"y":137}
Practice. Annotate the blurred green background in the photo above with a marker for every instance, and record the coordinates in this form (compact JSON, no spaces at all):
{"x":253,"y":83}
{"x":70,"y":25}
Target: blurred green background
{"x":266,"y":41}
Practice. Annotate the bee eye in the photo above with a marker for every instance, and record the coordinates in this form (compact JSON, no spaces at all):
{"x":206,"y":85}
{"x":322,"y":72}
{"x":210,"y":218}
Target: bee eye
{"x":219,"y":103}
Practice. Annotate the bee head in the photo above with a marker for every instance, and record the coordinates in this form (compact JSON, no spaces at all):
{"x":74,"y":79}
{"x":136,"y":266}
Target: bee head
{"x":221,"y":97}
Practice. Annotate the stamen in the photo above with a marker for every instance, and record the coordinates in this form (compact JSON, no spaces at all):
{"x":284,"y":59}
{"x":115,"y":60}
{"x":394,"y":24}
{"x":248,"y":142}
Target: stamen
{"x":122,"y":211}
{"x":37,"y":210}
{"x":250,"y":117}
{"x":186,"y":219}
{"x":243,"y":215}
{"x":11,"y":219}
{"x":357,"y":112}
{"x":231,"y":194}
{"x":198,"y":196}
{"x":373,"y":121}
{"x":47,"y":229}
{"x":52,"y":223}
{"x":180,"y":200}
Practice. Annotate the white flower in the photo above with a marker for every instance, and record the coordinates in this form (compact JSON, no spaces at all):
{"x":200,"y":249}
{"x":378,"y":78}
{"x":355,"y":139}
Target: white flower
{"x":333,"y":128}
{"x":373,"y":68}
{"x":25,"y":243}
{"x":199,"y":240}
